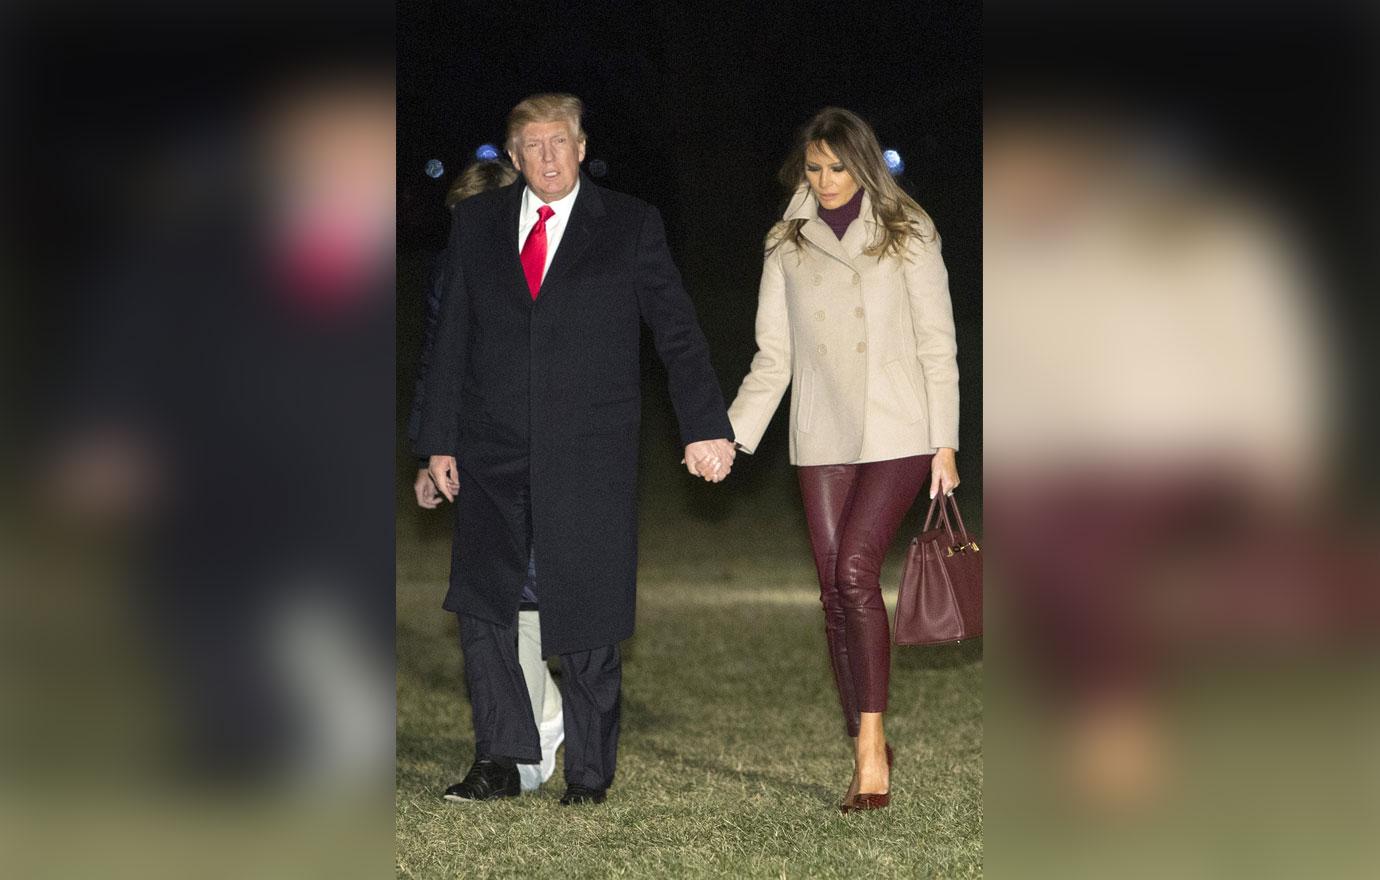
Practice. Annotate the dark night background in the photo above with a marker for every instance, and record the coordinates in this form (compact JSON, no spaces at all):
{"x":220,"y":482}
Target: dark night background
{"x":694,"y":112}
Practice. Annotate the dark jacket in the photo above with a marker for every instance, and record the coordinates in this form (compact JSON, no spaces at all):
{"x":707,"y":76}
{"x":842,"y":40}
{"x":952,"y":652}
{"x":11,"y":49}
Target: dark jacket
{"x":541,"y":402}
{"x":436,"y":285}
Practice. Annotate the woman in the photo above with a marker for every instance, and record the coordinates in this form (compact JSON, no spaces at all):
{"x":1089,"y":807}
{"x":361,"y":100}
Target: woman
{"x":478,"y":177}
{"x":854,"y":310}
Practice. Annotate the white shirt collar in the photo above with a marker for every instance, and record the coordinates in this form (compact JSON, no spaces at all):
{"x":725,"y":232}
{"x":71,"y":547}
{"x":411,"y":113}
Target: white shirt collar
{"x":562,"y":206}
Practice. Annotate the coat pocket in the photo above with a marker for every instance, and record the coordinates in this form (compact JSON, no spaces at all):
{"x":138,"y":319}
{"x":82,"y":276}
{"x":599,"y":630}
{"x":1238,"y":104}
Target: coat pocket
{"x":614,"y":412}
{"x":905,"y":392}
{"x":805,"y":411}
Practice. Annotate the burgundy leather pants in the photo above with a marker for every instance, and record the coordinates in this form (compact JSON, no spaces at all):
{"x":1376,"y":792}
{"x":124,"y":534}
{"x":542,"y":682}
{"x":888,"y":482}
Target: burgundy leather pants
{"x":853,"y":511}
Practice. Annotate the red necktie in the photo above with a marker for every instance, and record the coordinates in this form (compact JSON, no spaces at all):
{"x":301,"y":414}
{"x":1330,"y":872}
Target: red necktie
{"x":534,"y":251}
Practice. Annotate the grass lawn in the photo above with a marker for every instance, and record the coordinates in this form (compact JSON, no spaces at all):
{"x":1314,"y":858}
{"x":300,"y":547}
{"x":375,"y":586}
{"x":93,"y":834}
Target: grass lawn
{"x":733,"y":756}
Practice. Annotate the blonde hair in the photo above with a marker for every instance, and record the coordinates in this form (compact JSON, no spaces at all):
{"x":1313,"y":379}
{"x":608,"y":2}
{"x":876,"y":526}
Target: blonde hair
{"x":480,"y":176}
{"x":855,"y":144}
{"x":547,"y":107}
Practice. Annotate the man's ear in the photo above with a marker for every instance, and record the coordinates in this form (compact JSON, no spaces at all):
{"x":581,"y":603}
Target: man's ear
{"x":582,"y":152}
{"x":512,"y":157}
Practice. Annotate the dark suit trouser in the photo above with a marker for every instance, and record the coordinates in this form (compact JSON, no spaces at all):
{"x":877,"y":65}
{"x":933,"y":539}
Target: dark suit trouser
{"x":591,"y":683}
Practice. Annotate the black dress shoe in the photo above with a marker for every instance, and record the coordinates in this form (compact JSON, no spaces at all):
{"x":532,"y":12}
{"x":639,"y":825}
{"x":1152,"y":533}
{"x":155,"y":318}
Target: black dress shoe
{"x":578,"y":794}
{"x":486,"y":781}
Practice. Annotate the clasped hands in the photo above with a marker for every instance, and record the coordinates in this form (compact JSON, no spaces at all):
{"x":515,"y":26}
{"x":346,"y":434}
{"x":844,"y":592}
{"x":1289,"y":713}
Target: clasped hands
{"x":711,"y":460}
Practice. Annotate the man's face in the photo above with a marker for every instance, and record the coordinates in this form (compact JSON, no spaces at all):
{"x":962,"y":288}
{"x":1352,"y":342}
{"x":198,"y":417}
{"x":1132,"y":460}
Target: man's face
{"x":549,"y":158}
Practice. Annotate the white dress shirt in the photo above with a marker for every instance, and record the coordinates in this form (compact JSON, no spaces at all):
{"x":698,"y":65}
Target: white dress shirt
{"x":555,"y":224}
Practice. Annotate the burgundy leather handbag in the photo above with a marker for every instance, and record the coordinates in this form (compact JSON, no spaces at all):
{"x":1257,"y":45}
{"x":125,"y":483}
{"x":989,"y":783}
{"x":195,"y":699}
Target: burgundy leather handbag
{"x":941,"y":583}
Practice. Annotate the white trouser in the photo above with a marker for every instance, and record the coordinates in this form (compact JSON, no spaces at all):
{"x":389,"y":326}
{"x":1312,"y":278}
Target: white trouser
{"x":545,"y":697}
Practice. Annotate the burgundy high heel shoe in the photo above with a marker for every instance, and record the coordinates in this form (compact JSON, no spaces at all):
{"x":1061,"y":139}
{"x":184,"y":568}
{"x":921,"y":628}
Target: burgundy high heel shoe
{"x":862,"y":802}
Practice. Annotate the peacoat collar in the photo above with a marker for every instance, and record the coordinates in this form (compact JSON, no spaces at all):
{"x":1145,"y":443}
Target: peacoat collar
{"x":585,"y":217}
{"x":804,"y":206}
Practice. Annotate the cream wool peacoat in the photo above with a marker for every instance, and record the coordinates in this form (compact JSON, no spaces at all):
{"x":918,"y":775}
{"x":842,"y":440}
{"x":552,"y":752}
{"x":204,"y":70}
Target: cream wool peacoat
{"x":868,"y":343}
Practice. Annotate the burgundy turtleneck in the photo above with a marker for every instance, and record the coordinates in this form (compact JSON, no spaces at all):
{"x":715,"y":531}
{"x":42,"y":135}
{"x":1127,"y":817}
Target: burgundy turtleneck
{"x":839,"y":218}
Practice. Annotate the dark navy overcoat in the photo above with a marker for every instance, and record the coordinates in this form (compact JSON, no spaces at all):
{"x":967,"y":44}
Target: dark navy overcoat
{"x":540,"y":403}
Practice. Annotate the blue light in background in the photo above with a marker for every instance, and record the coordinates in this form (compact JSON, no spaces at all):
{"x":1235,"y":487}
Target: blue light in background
{"x":893,"y":161}
{"x":435,"y":169}
{"x":486,"y":152}
{"x":598,"y":167}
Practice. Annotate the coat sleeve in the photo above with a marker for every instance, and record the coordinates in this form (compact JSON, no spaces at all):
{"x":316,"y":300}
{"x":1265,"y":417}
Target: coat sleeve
{"x":770,"y":373}
{"x":438,"y":429}
{"x":434,"y":295}
{"x":667,"y":309}
{"x":932,"y":318}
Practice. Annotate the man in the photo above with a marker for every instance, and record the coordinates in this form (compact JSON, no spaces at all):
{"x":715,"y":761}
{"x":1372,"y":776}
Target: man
{"x":480,"y":177}
{"x":530,"y":425}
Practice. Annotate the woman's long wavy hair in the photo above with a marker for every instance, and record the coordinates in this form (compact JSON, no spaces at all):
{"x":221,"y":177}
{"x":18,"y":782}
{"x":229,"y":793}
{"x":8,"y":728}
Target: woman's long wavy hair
{"x":855,"y":144}
{"x":486,"y":174}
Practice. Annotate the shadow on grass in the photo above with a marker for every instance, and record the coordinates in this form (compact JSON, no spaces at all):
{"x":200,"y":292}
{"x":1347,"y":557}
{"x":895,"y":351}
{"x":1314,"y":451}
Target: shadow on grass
{"x":442,"y":747}
{"x":950,"y":656}
{"x":769,"y":780}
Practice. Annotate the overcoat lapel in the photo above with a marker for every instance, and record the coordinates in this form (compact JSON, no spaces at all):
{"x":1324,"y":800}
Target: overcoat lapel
{"x":818,"y":233}
{"x":513,"y":279}
{"x":584,"y":218}
{"x":859,"y":234}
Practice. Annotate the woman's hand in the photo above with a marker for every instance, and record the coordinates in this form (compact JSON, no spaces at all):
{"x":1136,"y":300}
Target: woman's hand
{"x":943,"y":472}
{"x":711,"y":460}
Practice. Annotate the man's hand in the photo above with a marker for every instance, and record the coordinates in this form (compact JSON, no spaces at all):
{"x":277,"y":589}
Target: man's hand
{"x":445,"y":475}
{"x":427,"y":496}
{"x":711,"y":460}
{"x":943,"y":472}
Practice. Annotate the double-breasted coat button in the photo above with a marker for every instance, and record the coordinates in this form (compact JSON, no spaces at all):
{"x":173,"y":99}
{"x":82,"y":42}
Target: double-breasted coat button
{"x":823,"y":349}
{"x":857,"y":279}
{"x":862,"y":347}
{"x":858,"y":312}
{"x":819,"y":316}
{"x":817,"y":280}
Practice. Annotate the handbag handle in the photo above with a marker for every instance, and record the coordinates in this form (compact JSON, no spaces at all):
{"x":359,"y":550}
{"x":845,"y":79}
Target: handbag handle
{"x":962,"y":529}
{"x":943,"y":507}
{"x":943,"y":519}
